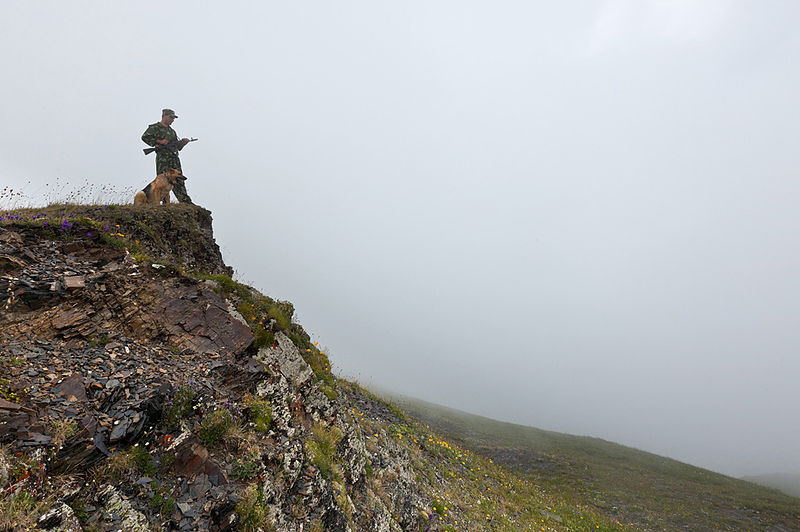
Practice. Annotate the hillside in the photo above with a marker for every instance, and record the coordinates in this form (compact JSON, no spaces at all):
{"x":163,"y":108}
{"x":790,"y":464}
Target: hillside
{"x":786,"y":482}
{"x":141,"y":388}
{"x":631,"y":485}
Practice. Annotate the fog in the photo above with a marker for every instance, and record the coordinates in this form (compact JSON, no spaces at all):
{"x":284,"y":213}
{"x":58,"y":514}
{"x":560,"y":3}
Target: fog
{"x":579,"y":216}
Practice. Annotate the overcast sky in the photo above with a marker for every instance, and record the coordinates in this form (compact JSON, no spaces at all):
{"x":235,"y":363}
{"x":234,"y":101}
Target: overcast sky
{"x":580,"y":216}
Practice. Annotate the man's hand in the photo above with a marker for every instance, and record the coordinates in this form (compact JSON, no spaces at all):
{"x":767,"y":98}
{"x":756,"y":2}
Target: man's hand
{"x":163,"y":142}
{"x":184,"y":141}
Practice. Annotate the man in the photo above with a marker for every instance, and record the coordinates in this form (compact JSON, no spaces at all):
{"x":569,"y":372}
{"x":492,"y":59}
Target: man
{"x":161,"y":134}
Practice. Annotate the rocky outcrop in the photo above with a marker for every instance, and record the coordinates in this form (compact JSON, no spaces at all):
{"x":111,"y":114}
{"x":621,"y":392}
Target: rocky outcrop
{"x":138,"y":400}
{"x":85,"y":290}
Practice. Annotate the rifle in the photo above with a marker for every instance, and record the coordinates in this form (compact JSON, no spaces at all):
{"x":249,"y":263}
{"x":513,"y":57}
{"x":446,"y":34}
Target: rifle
{"x":171,"y":146}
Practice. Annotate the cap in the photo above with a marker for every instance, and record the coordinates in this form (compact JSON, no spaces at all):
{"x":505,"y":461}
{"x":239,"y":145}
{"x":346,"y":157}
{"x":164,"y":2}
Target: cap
{"x":169,"y":112}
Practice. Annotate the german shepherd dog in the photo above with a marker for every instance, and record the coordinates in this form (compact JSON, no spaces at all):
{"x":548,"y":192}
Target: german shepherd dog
{"x":158,"y":191}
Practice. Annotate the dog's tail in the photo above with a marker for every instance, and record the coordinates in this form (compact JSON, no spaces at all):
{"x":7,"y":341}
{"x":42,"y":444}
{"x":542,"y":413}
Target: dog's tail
{"x":140,"y":198}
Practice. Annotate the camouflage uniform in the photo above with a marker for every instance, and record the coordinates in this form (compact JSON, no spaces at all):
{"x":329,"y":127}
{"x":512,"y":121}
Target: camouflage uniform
{"x":166,"y":159}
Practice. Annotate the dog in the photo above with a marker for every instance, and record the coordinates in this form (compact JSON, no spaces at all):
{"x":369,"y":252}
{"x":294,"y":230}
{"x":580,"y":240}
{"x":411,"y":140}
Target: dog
{"x":158,"y":191}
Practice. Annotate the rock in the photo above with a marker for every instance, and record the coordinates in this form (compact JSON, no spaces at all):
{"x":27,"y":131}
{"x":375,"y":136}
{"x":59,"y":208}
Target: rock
{"x":119,"y":430}
{"x":163,"y":332}
{"x":286,"y":356}
{"x":68,"y":318}
{"x":354,"y":454}
{"x":196,"y":318}
{"x":12,"y":407}
{"x":235,"y":313}
{"x":131,"y":519}
{"x":9,"y":264}
{"x":72,"y":388}
{"x":293,"y":458}
{"x":4,"y":467}
{"x":73,"y":281}
{"x":60,"y":518}
{"x":185,"y":509}
{"x":11,"y":238}
{"x":190,"y":457}
{"x":550,"y":515}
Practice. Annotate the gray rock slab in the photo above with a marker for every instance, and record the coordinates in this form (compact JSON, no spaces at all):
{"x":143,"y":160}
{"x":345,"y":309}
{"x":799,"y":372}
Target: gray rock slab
{"x":287,"y":357}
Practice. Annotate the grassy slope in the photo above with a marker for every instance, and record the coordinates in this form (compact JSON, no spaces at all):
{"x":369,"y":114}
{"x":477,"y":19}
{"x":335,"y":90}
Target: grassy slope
{"x":626,"y":484}
{"x":466,"y":491}
{"x":786,"y":482}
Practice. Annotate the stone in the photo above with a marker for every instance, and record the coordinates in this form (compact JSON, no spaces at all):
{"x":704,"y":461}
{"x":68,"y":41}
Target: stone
{"x":114,"y":502}
{"x":287,"y":357}
{"x":119,"y":430}
{"x":550,"y":515}
{"x":74,"y":281}
{"x":60,"y":518}
{"x":9,"y":264}
{"x":185,"y":509}
{"x":72,"y":388}
{"x":197,"y":319}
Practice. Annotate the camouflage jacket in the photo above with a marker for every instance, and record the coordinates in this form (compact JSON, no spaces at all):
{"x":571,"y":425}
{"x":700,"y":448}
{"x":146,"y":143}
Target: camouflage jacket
{"x":159,"y":131}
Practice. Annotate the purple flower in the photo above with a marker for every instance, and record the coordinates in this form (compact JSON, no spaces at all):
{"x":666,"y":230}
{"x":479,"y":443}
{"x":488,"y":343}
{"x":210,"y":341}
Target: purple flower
{"x":88,"y":234}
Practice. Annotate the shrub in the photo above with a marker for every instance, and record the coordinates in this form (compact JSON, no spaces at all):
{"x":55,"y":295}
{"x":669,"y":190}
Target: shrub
{"x":215,"y":427}
{"x":161,"y":502}
{"x":61,"y":431}
{"x":112,"y":469}
{"x":329,"y":392}
{"x":226,"y":284}
{"x":277,"y":313}
{"x":263,"y":337}
{"x":20,"y":510}
{"x":259,"y":412}
{"x":143,"y":461}
{"x":245,"y":469}
{"x":251,"y":510}
{"x":181,"y":406}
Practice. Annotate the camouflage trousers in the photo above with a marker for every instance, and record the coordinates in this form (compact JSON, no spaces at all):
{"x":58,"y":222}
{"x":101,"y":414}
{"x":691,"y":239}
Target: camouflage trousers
{"x":165,"y":161}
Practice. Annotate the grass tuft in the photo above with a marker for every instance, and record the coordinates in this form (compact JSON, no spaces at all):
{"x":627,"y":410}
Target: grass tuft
{"x":259,"y":412}
{"x":179,"y":407}
{"x":251,"y":510}
{"x":322,"y":447}
{"x":214,"y":427}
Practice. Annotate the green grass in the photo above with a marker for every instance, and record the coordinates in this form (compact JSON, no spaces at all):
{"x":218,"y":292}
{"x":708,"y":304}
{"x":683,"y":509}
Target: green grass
{"x":215,"y":427}
{"x":462,"y":490}
{"x":258,"y":412}
{"x":180,"y":406}
{"x":161,"y":501}
{"x":19,"y":511}
{"x":253,"y":514}
{"x":322,"y":448}
{"x":142,"y":460}
{"x":624,"y":484}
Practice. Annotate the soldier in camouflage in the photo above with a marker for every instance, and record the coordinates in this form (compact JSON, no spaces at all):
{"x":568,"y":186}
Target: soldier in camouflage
{"x":161,"y":133}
